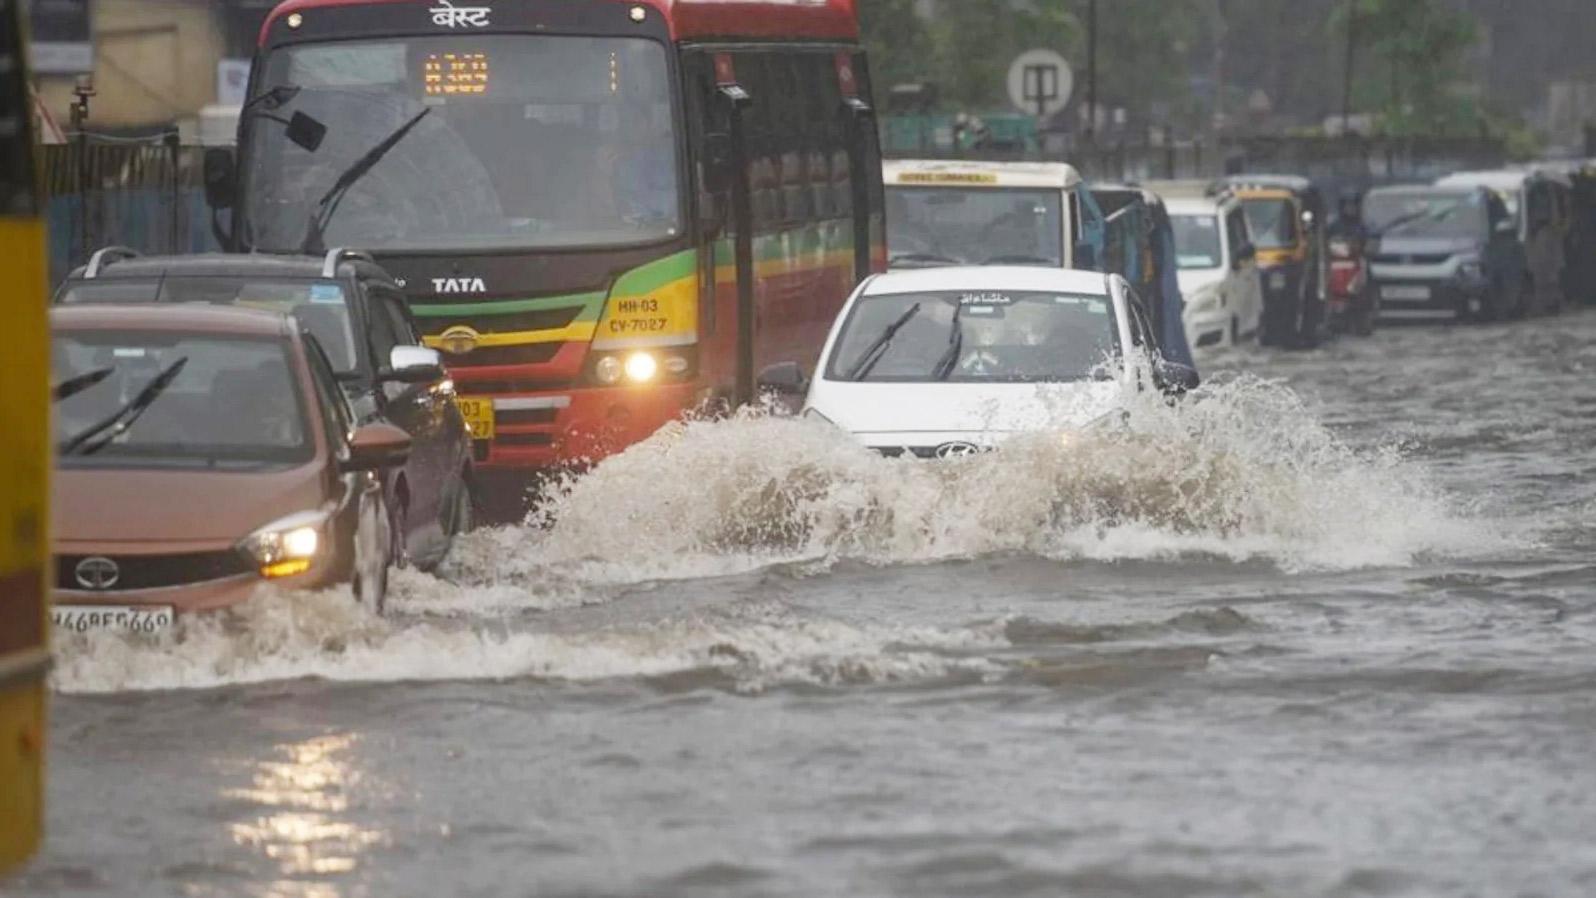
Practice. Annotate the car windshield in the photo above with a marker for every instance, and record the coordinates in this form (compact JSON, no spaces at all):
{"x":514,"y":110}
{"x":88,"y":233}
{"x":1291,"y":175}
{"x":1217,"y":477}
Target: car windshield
{"x":976,"y":336}
{"x":1196,"y":241}
{"x":975,"y":226}
{"x":1273,"y":222}
{"x":529,"y":141}
{"x":1443,"y":214}
{"x":320,"y":306}
{"x":137,"y":398}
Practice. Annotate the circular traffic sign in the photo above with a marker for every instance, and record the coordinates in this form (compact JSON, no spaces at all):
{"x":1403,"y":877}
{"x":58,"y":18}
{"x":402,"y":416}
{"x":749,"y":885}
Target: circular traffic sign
{"x":1040,"y":82}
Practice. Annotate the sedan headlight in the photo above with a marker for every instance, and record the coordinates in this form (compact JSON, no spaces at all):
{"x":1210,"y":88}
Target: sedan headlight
{"x":288,"y":546}
{"x":1203,"y":301}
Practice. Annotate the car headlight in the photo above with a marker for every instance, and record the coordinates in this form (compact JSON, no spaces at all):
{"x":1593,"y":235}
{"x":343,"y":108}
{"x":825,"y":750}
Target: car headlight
{"x":1203,"y":301}
{"x":288,"y":546}
{"x":1470,"y":270}
{"x":811,"y":412}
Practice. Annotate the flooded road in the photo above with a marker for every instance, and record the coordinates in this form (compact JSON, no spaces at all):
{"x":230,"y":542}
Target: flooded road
{"x":1330,"y":630}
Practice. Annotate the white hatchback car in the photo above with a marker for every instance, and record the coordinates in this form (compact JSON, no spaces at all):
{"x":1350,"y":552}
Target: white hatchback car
{"x":1217,"y":269}
{"x":950,"y":361}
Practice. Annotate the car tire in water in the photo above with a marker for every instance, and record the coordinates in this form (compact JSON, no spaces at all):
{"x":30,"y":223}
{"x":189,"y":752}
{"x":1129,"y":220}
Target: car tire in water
{"x":369,"y":579}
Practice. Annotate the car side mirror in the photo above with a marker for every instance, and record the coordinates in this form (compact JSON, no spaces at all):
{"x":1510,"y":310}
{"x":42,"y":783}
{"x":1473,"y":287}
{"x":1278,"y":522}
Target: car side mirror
{"x":221,"y":178}
{"x":1085,"y":256}
{"x":1244,"y":254}
{"x":1176,"y":379}
{"x":784,"y":379}
{"x":413,"y":365}
{"x":377,"y":446}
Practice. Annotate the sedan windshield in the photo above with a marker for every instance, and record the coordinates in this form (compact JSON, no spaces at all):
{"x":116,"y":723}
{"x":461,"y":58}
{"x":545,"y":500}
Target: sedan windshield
{"x":319,"y":306}
{"x":1441,"y":214}
{"x":975,"y":337}
{"x":1196,"y":241}
{"x":134,"y":399}
{"x":944,"y":225}
{"x":1273,"y":222}
{"x":529,"y":141}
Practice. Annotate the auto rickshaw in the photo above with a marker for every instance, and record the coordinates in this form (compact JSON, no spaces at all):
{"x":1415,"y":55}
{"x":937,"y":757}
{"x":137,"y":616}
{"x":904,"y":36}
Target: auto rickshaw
{"x":1287,"y":217}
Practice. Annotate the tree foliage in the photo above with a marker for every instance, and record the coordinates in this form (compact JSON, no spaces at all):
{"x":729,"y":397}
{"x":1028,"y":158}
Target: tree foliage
{"x":1411,"y":56}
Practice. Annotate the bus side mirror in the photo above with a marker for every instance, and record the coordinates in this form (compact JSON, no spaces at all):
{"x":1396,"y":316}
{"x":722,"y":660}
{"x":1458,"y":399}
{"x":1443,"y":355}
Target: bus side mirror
{"x":718,"y":163}
{"x":221,"y":178}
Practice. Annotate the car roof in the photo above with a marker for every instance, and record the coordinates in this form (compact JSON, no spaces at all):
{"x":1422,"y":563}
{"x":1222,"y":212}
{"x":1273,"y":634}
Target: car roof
{"x":1437,"y":189}
{"x":988,"y":277}
{"x":969,"y":173}
{"x":1193,"y":205}
{"x":188,"y":317}
{"x":221,"y":265}
{"x":1503,"y":179}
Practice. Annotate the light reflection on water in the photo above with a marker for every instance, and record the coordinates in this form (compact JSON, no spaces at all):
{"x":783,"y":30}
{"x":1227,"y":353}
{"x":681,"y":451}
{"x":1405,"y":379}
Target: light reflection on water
{"x":305,"y":832}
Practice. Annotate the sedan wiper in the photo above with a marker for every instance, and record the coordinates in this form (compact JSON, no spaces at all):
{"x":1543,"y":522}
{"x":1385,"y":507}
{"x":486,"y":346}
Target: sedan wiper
{"x":72,"y":386}
{"x":95,"y":438}
{"x":878,"y":348}
{"x":328,"y":205}
{"x":950,"y":359}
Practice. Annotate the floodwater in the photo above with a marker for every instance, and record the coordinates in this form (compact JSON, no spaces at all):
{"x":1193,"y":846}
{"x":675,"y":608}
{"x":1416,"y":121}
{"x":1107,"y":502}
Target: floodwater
{"x":1329,"y":629}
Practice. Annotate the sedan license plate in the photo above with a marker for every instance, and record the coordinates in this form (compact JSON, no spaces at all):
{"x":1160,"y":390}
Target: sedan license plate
{"x":478,"y":414}
{"x":1391,"y":291}
{"x":122,"y":618}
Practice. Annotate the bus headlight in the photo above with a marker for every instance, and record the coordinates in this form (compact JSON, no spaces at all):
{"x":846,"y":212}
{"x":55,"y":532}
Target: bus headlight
{"x":286,"y":547}
{"x":641,"y":367}
{"x":608,"y":370}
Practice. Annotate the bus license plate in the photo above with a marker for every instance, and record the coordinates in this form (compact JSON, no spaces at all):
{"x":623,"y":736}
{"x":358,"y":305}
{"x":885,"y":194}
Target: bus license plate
{"x":123,"y":618}
{"x":1401,"y":292}
{"x":478,"y":414}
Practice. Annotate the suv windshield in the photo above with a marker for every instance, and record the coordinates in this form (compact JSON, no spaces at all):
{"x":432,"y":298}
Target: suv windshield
{"x":531,"y":141}
{"x":319,"y":306}
{"x":975,"y":226}
{"x":1428,"y":213}
{"x":134,"y":398}
{"x":976,"y":336}
{"x":1273,"y":222}
{"x":1196,"y":241}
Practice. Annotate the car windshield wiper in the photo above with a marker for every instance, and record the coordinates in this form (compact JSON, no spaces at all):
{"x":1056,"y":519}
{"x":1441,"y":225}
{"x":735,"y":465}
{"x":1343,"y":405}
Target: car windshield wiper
{"x":72,"y":386}
{"x":924,"y":258}
{"x":950,"y":359}
{"x":96,"y":437}
{"x":1020,"y":259}
{"x":328,"y":205}
{"x":878,"y":348}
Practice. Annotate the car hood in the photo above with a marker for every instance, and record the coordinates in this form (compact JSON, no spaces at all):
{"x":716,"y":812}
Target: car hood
{"x":181,"y":506}
{"x":906,"y":409}
{"x":1427,"y":246}
{"x":1194,"y":279}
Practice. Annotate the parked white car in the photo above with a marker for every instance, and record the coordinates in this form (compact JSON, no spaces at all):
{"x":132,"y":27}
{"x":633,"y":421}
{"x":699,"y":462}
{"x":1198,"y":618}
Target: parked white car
{"x":1218,"y":270}
{"x":950,"y":361}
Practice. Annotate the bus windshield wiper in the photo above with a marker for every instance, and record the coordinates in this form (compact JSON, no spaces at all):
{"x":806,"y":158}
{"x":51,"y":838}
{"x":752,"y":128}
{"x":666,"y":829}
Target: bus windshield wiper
{"x":923,"y":258}
{"x":328,"y":205}
{"x":72,"y":386}
{"x":950,"y":359}
{"x":878,"y":348}
{"x":96,"y":437}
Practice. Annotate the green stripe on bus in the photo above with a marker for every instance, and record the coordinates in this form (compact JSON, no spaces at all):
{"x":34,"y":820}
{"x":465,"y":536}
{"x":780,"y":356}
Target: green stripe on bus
{"x":657,"y":274}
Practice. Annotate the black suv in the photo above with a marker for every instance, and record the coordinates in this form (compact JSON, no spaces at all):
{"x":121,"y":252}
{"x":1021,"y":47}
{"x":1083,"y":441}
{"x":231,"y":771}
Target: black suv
{"x":358,"y":316}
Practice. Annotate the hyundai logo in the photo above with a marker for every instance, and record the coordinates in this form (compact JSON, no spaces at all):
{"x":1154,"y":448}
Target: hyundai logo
{"x":97,"y":573}
{"x":957,"y":450}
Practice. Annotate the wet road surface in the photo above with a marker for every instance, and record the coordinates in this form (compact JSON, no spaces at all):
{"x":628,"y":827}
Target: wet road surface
{"x":1330,"y":630}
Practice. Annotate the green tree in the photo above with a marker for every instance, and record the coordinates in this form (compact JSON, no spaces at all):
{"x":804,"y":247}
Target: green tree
{"x":1409,"y":69}
{"x":899,"y":43}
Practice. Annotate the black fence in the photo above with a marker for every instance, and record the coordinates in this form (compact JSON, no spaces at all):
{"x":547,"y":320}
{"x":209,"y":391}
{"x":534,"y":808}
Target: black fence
{"x":149,"y":196}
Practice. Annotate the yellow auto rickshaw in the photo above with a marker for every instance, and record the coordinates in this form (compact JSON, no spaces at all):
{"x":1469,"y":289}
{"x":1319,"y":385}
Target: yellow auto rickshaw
{"x":1286,"y":215}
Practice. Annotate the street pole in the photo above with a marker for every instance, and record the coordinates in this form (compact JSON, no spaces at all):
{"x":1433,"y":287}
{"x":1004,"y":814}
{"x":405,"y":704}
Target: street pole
{"x":1346,"y":89}
{"x":1091,"y":70}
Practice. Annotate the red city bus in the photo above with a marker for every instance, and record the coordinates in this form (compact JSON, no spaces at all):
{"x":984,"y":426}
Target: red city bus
{"x":604,"y":213}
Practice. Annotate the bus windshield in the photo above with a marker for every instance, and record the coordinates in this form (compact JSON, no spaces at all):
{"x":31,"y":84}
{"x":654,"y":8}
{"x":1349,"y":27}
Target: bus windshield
{"x":528,"y":141}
